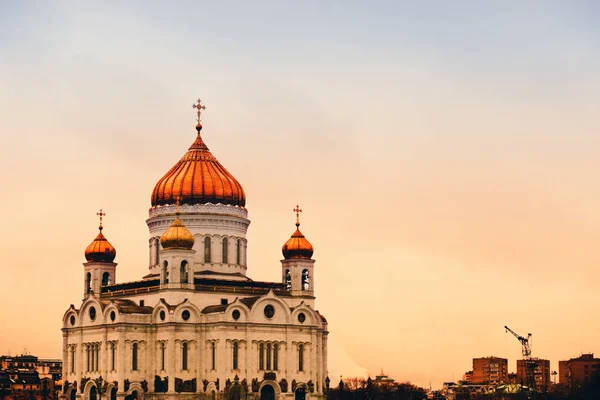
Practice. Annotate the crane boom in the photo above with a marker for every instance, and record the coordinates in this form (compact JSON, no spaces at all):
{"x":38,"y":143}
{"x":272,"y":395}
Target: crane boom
{"x":524,"y":341}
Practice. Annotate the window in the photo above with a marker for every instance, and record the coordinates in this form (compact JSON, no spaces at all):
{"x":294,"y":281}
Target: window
{"x":300,"y":357}
{"x":207,"y":249}
{"x":268,"y":356}
{"x":72,"y":360}
{"x":261,"y":357}
{"x":184,"y":356}
{"x":305,"y":280}
{"x":165,"y":272}
{"x":105,"y":278}
{"x":275,"y":356}
{"x":112,"y":356}
{"x":239,"y":252}
{"x":225,"y":245}
{"x":162,"y":356}
{"x":235,"y":355}
{"x":183,"y":272}
{"x":88,"y":282}
{"x":214,"y":355}
{"x":134,"y":357}
{"x":87,"y":351}
{"x":288,"y":279}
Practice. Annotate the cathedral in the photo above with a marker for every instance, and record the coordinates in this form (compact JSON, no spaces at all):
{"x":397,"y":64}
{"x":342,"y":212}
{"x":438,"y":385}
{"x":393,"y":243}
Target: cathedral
{"x":196,"y":326}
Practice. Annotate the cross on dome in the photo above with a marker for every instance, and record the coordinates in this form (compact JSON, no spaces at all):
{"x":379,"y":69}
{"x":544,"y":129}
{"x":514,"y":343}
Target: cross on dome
{"x":199,"y":107}
{"x":297,"y":210}
{"x":101,"y":214}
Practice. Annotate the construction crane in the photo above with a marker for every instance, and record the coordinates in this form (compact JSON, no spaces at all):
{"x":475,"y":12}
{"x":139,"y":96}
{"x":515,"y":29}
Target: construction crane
{"x":529,"y":363}
{"x":524,"y":342}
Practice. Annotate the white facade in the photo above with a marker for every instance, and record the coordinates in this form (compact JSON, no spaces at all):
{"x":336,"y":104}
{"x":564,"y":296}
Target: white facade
{"x":196,"y":326}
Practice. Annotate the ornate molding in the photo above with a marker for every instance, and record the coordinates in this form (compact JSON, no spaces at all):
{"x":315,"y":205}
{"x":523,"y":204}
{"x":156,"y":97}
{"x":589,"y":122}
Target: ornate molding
{"x":207,"y":208}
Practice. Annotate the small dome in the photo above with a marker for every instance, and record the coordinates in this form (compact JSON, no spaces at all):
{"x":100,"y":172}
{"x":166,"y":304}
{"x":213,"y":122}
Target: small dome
{"x":100,"y":250}
{"x":198,"y":178}
{"x":297,"y":246}
{"x":177,"y":236}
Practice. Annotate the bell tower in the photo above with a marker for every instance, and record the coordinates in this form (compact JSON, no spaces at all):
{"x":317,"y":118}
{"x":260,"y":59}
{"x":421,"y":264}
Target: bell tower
{"x":297,"y":266}
{"x":99,"y":270}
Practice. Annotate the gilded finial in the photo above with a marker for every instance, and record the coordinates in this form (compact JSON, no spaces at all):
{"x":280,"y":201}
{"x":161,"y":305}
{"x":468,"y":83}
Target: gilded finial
{"x":100,"y":214}
{"x":199,"y":107}
{"x":177,"y":203}
{"x":297,"y":210}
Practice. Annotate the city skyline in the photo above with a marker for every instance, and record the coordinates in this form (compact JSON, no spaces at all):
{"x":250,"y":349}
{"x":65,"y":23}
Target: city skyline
{"x":444,"y":158}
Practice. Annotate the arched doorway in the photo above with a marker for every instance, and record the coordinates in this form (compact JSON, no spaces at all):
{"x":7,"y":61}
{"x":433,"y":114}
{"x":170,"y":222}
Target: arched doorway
{"x":134,"y":395}
{"x":267,"y":393}
{"x":93,"y":393}
{"x":113,"y":393}
{"x":73,"y":395}
{"x":235,"y":393}
{"x":300,"y":394}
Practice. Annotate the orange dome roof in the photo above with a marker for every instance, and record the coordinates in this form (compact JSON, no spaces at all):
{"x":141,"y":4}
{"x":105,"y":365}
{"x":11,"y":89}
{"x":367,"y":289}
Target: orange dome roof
{"x":177,"y":236}
{"x":198,"y":178}
{"x":100,"y":250}
{"x":297,"y":246}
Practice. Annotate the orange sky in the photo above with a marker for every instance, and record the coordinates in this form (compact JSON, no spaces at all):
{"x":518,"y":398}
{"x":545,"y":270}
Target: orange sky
{"x":446,"y":195}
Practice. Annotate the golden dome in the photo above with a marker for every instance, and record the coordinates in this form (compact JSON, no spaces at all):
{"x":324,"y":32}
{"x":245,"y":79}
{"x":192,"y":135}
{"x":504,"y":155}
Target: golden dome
{"x":100,"y":250}
{"x":198,"y":178}
{"x":177,"y":236}
{"x":297,"y":246}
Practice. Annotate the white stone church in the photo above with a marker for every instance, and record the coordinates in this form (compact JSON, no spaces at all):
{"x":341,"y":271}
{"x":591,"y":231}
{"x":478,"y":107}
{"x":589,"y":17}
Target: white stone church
{"x":196,"y":326}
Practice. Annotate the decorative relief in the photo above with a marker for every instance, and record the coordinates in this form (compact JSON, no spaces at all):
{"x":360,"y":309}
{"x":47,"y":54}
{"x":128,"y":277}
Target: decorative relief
{"x":207,"y":208}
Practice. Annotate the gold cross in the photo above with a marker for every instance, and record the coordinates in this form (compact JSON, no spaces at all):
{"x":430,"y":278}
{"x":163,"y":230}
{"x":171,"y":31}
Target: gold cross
{"x":199,"y":107}
{"x":297,"y":210}
{"x":101,"y":214}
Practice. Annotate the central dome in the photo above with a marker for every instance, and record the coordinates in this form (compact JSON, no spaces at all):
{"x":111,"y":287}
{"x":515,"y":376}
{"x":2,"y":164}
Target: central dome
{"x":198,"y":178}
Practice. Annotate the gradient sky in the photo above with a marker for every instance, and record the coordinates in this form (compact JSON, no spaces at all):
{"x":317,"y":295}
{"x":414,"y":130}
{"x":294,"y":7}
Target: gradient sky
{"x":446,"y":155}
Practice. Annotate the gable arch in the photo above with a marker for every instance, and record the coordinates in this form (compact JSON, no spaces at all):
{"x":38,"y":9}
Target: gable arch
{"x":282,"y":311}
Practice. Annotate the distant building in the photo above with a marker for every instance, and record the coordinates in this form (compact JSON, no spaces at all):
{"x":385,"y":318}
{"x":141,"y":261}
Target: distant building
{"x":490,"y":370}
{"x":468,"y":377}
{"x":541,"y":373}
{"x":579,"y":371}
{"x":26,"y":376}
{"x":513,"y":378}
{"x":383,"y":379}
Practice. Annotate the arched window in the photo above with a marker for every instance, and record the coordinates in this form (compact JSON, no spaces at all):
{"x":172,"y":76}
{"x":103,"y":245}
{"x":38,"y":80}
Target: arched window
{"x":225,"y":248}
{"x":89,"y":359}
{"x":288,"y":279}
{"x":72,"y":360}
{"x":275,"y":356}
{"x":213,"y":355}
{"x":300,"y":357}
{"x":112,"y":356}
{"x":261,"y":357}
{"x":105,"y":278}
{"x":162,"y":356}
{"x":305,"y":280}
{"x":235,"y":355}
{"x":183,"y":272}
{"x":207,"y":249}
{"x":239,"y":252}
{"x":88,"y":282}
{"x":268,"y":356}
{"x":134,"y":357}
{"x":166,"y":272}
{"x":184,"y":356}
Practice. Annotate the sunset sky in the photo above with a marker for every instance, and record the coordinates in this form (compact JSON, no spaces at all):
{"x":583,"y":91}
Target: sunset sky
{"x":445,"y":154}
